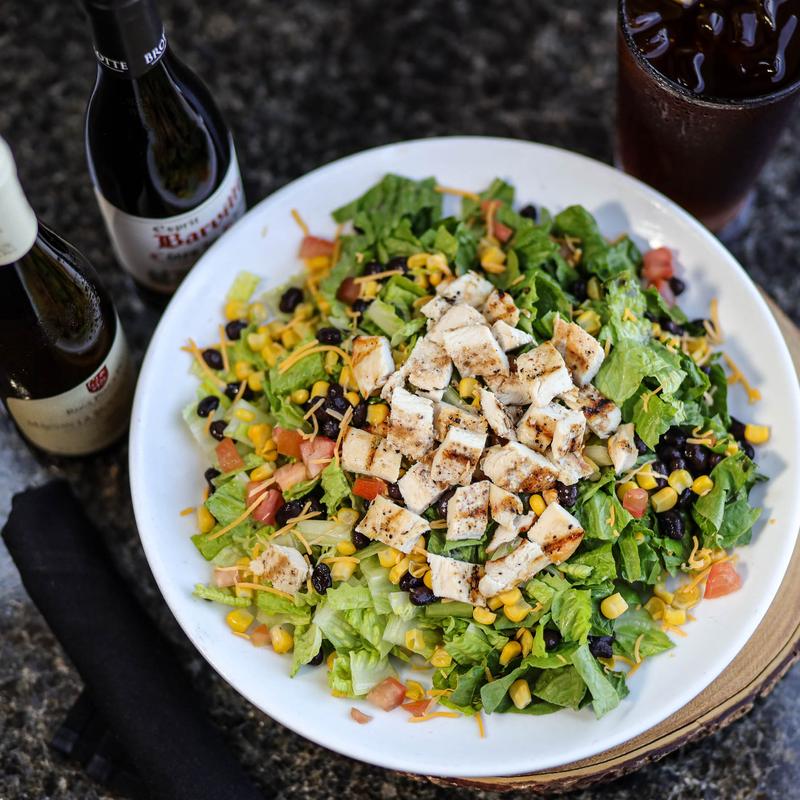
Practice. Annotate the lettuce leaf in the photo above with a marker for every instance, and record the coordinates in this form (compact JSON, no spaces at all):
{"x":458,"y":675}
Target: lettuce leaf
{"x":635,"y":623}
{"x":385,"y":317}
{"x":304,"y":373}
{"x":572,"y":613}
{"x":227,"y":502}
{"x":347,"y":596}
{"x":561,"y":687}
{"x":600,"y":562}
{"x":470,"y":647}
{"x":276,"y":610}
{"x":605,"y":695}
{"x":225,"y":596}
{"x":660,"y":414}
{"x":299,"y":489}
{"x":336,"y":629}
{"x":307,"y":642}
{"x":243,"y":286}
{"x":368,"y":669}
{"x":335,"y":486}
{"x":493,"y":694}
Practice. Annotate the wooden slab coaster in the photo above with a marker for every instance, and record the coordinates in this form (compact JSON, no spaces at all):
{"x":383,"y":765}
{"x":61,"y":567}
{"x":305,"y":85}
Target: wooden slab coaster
{"x":773,"y":648}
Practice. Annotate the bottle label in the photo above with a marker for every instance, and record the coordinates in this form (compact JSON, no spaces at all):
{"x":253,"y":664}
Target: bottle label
{"x":86,"y":418}
{"x":18,"y":225}
{"x":142,"y":63}
{"x":159,"y":252}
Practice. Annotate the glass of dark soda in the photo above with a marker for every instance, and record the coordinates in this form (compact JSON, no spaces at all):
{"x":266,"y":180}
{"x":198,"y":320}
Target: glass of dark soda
{"x":705,"y":89}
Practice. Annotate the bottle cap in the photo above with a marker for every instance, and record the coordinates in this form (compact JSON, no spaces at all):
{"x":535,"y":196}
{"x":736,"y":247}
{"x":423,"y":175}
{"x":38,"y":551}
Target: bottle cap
{"x":18,"y":225}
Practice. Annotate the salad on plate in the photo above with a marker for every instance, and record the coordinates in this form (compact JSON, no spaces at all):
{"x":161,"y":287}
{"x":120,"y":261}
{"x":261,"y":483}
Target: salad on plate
{"x":468,"y":463}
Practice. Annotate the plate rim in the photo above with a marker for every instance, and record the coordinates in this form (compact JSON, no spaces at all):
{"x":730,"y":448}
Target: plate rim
{"x":136,"y":453}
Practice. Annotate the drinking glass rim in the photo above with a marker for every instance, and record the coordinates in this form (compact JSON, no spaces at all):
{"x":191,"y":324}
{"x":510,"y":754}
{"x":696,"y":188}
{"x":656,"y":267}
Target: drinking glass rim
{"x":705,"y":100}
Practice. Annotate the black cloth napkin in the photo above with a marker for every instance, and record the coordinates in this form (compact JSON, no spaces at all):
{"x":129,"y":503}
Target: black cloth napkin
{"x":130,"y":672}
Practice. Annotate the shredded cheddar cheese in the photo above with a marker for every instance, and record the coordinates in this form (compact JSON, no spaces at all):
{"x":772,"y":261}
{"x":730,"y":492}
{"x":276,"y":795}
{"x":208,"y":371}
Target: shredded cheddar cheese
{"x":223,"y":346}
{"x":435,"y":715}
{"x":198,"y":357}
{"x":184,"y":512}
{"x":737,"y":376}
{"x":291,"y":360}
{"x":300,"y":221}
{"x":377,"y":276}
{"x":259,"y":587}
{"x":458,"y":192}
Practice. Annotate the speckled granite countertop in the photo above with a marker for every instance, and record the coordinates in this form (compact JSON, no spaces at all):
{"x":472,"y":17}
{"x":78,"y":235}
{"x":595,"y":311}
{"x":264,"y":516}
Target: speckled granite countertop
{"x":303,"y":83}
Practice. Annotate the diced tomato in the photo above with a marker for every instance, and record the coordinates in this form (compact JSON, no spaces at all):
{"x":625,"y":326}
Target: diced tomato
{"x":359,"y":716}
{"x":316,"y":454}
{"x":417,"y":708}
{"x":271,"y":501}
{"x":502,"y":232}
{"x":388,"y":694}
{"x":260,"y":636}
{"x":658,"y":265}
{"x":290,"y":474}
{"x":228,"y":456}
{"x":369,"y":488}
{"x":287,"y":442}
{"x":722,"y":579}
{"x":635,"y":501}
{"x":487,"y":204}
{"x":349,"y":291}
{"x":313,"y":246}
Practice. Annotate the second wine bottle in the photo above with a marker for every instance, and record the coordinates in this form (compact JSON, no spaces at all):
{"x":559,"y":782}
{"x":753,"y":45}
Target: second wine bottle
{"x":161,"y":158}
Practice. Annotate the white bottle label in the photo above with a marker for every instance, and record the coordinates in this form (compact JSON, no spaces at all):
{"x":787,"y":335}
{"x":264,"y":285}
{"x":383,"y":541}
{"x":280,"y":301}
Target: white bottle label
{"x":86,"y":418}
{"x":159,"y":252}
{"x":18,"y":226}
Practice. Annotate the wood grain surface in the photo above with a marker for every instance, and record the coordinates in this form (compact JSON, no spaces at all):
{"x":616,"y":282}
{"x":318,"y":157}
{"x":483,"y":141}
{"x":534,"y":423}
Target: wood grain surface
{"x":766,"y":657}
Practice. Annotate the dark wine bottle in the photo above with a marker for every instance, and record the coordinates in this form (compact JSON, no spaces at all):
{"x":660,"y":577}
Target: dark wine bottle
{"x":161,"y":158}
{"x":65,"y":375}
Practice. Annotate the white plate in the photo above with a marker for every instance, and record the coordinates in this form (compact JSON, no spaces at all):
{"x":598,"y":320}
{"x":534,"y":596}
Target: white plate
{"x":166,"y":467}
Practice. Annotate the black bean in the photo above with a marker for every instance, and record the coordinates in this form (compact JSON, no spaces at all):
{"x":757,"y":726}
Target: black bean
{"x":552,"y":638}
{"x":321,"y":578}
{"x":666,"y":452}
{"x":714,"y":459}
{"x":395,"y":493}
{"x":579,"y":289}
{"x":289,"y":511}
{"x":530,"y":212}
{"x":685,"y":499}
{"x":677,"y":285}
{"x":676,"y":463}
{"x":314,"y":504}
{"x":641,"y":447}
{"x":749,"y":451}
{"x":217,"y":429}
{"x":441,"y":504}
{"x":421,"y":595}
{"x":339,"y":403}
{"x":207,"y":405}
{"x":330,"y":428}
{"x":209,"y":475}
{"x":601,"y":646}
{"x":737,"y":429}
{"x":329,"y":336}
{"x":359,"y":417}
{"x":670,"y":524}
{"x":398,"y":262}
{"x":233,"y":330}
{"x":373,"y":268}
{"x":318,"y":659}
{"x":213,"y":358}
{"x":697,"y":458}
{"x":706,"y":369}
{"x":658,"y":467}
{"x":335,"y":390}
{"x":409,"y":582}
{"x":670,"y":326}
{"x":361,"y":305}
{"x":676,"y":435}
{"x":290,"y":299}
{"x":359,"y":540}
{"x":567,"y":495}
{"x":232,"y":389}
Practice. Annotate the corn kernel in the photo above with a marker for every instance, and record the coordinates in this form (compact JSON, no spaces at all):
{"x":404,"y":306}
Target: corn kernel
{"x":675,"y":616}
{"x":655,"y":329}
{"x":511,"y":597}
{"x":271,"y":456}
{"x":511,"y":651}
{"x":241,"y":369}
{"x":436,"y":263}
{"x":347,"y":516}
{"x":255,"y":341}
{"x":483,"y":615}
{"x":550,"y":496}
{"x":702,"y":485}
{"x":331,"y":360}
{"x":655,"y":607}
{"x":732,"y":449}
{"x":537,"y":504}
{"x":414,"y":690}
{"x":435,"y":279}
{"x":493,"y":257}
{"x":417,"y":260}
{"x":377,"y":413}
{"x":320,"y":389}
{"x":282,"y":640}
{"x":398,"y":570}
{"x":686,"y":597}
{"x":270,"y":444}
{"x":613,"y":606}
{"x":304,"y":311}
{"x":418,"y":568}
{"x":589,"y":321}
{"x":235,"y":309}
{"x":520,"y":694}
{"x":518,"y":612}
{"x":275,"y":328}
{"x":664,"y":499}
{"x":244,"y":561}
{"x":345,"y":548}
{"x":526,"y":641}
{"x":243,"y":591}
{"x":467,"y":387}
{"x":318,"y":262}
{"x":300,"y":396}
{"x":494,"y":603}
{"x":389,"y":557}
{"x":593,"y":289}
{"x":346,"y":379}
{"x":263,"y":472}
{"x":428,"y":579}
{"x":441,"y":658}
{"x":239,"y":620}
{"x":330,"y":659}
{"x":645,"y":479}
{"x":680,"y":480}
{"x":370,"y":290}
{"x":661,"y":591}
{"x":422,"y":281}
{"x":756,"y":434}
{"x":354,"y":398}
{"x":289,"y":339}
{"x":414,"y":640}
{"x":270,"y":353}
{"x":624,"y":488}
{"x":205,"y":520}
{"x":255,"y":381}
{"x":257,"y":312}
{"x":259,"y":434}
{"x":244,"y":414}
{"x":323,"y":305}
{"x":343,"y":570}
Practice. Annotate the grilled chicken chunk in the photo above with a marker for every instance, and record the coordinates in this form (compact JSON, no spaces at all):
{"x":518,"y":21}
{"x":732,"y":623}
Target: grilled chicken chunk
{"x":622,"y":448}
{"x":457,"y":456}
{"x":468,"y":511}
{"x":367,"y":454}
{"x":411,"y":424}
{"x":455,"y":580}
{"x":554,"y":427}
{"x":470,"y":288}
{"x":284,"y":567}
{"x":557,"y":532}
{"x":454,"y":318}
{"x":602,"y":416}
{"x":582,"y":353}
{"x":572,"y":468}
{"x":519,"y":566}
{"x":428,"y":367}
{"x":418,"y":488}
{"x":544,"y":373}
{"x":501,"y":306}
{"x":517,"y":468}
{"x":506,"y":510}
{"x":475,"y":352}
{"x":496,"y":415}
{"x":509,"y":337}
{"x":393,"y":525}
{"x":372,"y":362}
{"x":446,"y":416}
